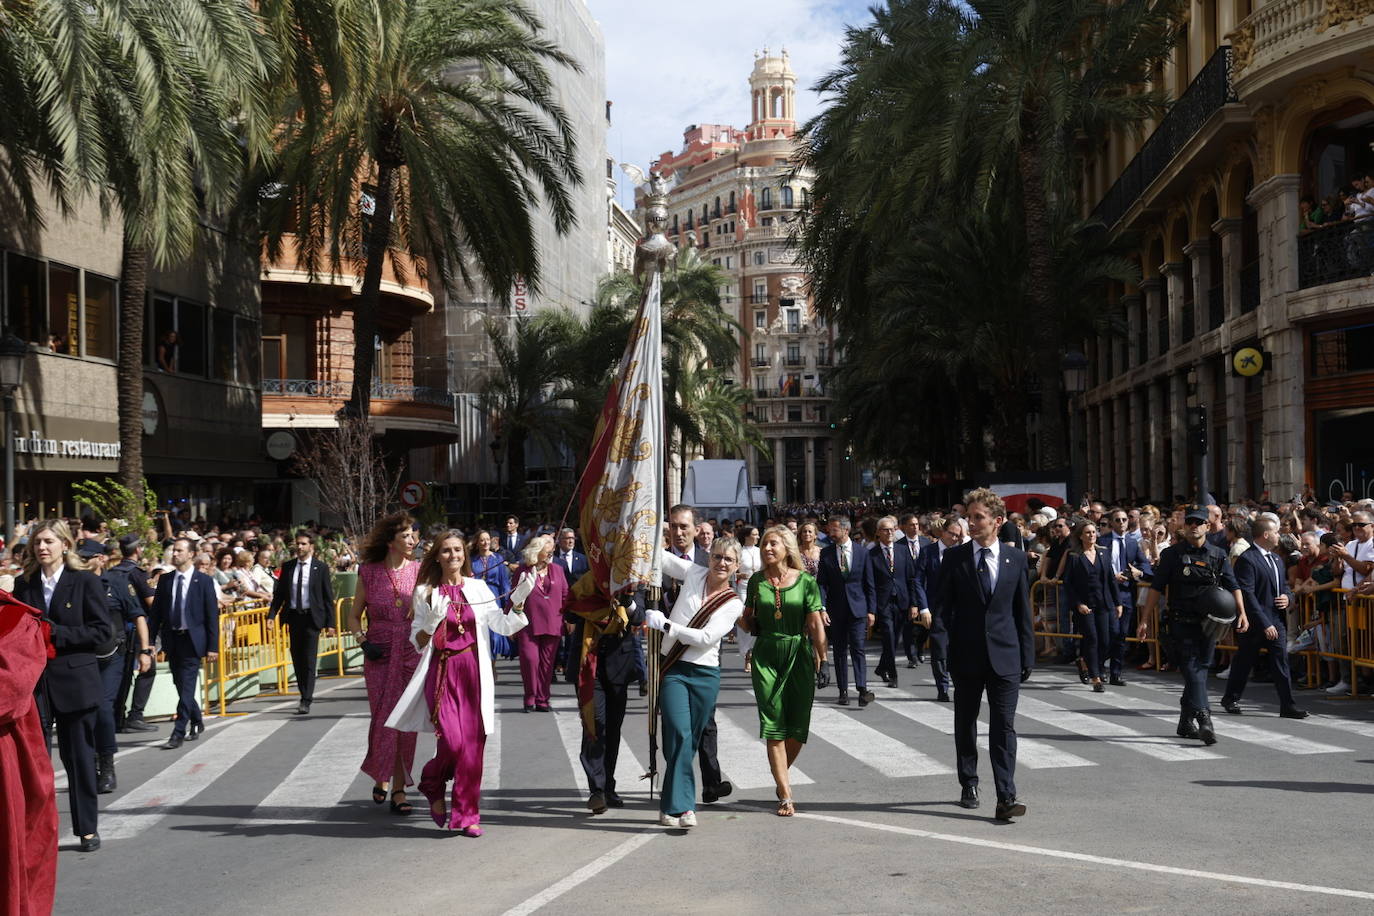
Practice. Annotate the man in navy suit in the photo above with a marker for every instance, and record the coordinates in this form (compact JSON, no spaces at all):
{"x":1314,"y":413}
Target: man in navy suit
{"x":928,"y":567}
{"x":985,"y":611}
{"x":512,"y":540}
{"x":304,"y":597}
{"x":185,"y":613}
{"x":1129,"y":566}
{"x":914,"y":635}
{"x":1263,"y":582}
{"x":574,"y":564}
{"x":845,"y":574}
{"x":894,"y":592}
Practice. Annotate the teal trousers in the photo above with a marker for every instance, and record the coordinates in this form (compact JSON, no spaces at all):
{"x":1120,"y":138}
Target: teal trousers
{"x":686,"y":699}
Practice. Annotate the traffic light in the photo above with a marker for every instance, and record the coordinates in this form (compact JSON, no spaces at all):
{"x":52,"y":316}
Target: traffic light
{"x":1197,"y":430}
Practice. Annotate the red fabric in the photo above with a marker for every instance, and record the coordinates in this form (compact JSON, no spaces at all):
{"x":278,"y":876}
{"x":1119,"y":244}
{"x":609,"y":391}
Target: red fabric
{"x":28,"y":802}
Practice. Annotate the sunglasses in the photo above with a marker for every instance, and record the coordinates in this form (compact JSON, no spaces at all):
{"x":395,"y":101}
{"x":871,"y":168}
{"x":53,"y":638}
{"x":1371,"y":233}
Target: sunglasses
{"x":1194,"y":521}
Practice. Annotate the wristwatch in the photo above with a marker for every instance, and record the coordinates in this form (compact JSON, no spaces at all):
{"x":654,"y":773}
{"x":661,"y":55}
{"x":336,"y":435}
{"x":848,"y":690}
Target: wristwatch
{"x":147,"y":652}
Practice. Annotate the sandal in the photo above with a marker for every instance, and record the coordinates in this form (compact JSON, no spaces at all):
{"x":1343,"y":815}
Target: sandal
{"x":786,"y":808}
{"x":378,"y":794}
{"x":402,"y":808}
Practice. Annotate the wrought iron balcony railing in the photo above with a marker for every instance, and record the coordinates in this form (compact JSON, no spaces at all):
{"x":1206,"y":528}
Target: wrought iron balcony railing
{"x":339,"y":390}
{"x":1207,"y":94}
{"x":1342,"y":251}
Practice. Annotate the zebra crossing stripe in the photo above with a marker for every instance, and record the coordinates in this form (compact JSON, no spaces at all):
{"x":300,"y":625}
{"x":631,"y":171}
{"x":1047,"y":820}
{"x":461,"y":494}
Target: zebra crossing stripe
{"x":627,"y":767}
{"x":1227,"y":726}
{"x":1031,"y":753}
{"x":320,"y":780}
{"x":1349,"y":726}
{"x":491,"y":757}
{"x":744,"y":758}
{"x":871,"y":747}
{"x":186,"y":778}
{"x":1156,"y":746}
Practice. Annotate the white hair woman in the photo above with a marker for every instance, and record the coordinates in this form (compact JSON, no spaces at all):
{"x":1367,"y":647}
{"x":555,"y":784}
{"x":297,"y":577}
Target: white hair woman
{"x":541,"y":591}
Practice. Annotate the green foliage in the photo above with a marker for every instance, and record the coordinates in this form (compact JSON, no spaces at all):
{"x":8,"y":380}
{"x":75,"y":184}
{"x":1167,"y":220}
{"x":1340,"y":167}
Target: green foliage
{"x":120,"y":506}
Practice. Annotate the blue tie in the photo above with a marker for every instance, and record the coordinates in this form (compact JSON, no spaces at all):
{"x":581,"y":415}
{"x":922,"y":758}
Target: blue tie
{"x":178,"y":611}
{"x":984,"y":573}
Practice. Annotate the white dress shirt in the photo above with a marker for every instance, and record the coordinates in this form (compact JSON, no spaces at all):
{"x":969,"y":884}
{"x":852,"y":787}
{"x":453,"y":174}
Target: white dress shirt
{"x":50,"y":585}
{"x":702,"y":645}
{"x":301,"y":586}
{"x":993,"y":560}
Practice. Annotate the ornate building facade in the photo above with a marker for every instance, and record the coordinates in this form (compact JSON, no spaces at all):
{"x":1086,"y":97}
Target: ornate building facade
{"x":735,"y":194}
{"x":1274,"y":118}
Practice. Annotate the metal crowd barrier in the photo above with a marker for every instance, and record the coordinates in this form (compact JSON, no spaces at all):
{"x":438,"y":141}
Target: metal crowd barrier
{"x":249,"y":648}
{"x":1047,"y":605}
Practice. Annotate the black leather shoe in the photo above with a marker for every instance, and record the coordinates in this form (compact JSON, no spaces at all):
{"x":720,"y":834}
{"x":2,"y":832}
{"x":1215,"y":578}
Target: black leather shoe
{"x":529,"y":709}
{"x":643,"y":688}
{"x":920,"y":660}
{"x":90,"y":843}
{"x":844,"y":698}
{"x":1204,"y":728}
{"x":1008,"y":809}
{"x":1292,"y":712}
{"x":1186,"y":728}
{"x":1099,"y":687}
{"x":942,"y":696}
{"x":105,"y":774}
{"x":880,"y":672}
{"x":892,"y":681}
{"x":1231,"y":706}
{"x":969,"y":797}
{"x":138,"y":725}
{"x":542,"y":709}
{"x":712,"y":794}
{"x":865,"y":697}
{"x":173,"y":743}
{"x":615,"y":801}
{"x":911,"y":664}
{"x":193,"y":730}
{"x":1117,"y":681}
{"x":303,"y":709}
{"x":597,"y":803}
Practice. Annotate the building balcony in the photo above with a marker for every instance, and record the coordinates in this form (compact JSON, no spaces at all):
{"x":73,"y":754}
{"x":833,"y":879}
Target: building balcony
{"x":1342,"y":251}
{"x":1207,"y":94}
{"x":405,"y":290}
{"x":756,"y":299}
{"x":794,"y":362}
{"x":758,"y":363}
{"x":1283,"y":39}
{"x":422,"y":415}
{"x":761,"y":233}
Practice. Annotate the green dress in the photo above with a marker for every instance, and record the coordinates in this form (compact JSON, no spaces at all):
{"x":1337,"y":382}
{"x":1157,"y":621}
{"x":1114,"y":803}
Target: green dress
{"x":783,"y":667}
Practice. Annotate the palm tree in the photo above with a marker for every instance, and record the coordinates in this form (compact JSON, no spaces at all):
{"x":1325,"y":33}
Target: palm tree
{"x":711,"y":415}
{"x":37,"y":117}
{"x":449,"y":122}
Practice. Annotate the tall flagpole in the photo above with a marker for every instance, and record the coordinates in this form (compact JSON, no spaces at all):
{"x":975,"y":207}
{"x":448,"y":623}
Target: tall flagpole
{"x":652,"y":256}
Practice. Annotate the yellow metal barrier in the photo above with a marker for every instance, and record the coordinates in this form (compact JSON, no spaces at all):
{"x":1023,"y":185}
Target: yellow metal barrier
{"x":1046,"y":604}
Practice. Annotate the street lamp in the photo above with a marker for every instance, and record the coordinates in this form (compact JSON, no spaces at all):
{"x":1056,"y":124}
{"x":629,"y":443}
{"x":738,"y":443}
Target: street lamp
{"x":1075,"y":368}
{"x":13,"y":351}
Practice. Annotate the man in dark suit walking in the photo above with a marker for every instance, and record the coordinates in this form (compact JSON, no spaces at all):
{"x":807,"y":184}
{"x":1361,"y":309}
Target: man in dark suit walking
{"x":914,"y":634}
{"x":512,"y":540}
{"x":928,"y":568}
{"x":985,"y":612}
{"x":304,"y":597}
{"x":575,"y":565}
{"x":1129,"y":566}
{"x":1263,"y":584}
{"x":894,"y":591}
{"x":845,"y":574}
{"x":185,"y":613}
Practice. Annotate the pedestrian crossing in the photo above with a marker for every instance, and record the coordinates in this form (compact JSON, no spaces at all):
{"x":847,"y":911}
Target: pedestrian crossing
{"x":309,"y":771}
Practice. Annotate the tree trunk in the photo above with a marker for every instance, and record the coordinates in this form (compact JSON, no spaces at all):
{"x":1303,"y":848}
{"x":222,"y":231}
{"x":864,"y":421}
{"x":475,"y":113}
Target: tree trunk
{"x":133,"y":287}
{"x":365,"y":307}
{"x":1048,"y":321}
{"x":515,"y":463}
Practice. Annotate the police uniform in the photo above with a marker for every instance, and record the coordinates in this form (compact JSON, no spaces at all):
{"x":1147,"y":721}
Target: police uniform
{"x":123,"y":607}
{"x":1185,"y":573}
{"x":141,"y":685}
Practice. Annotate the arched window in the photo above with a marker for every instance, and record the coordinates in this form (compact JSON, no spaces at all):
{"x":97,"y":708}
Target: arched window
{"x":787,"y":195}
{"x":766,"y":199}
{"x":732,"y":202}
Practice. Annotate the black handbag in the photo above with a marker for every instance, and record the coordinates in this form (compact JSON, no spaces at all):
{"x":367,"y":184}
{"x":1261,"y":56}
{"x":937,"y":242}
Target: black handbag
{"x":372,"y":651}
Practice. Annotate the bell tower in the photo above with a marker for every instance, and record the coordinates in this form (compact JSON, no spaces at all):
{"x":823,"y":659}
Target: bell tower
{"x":773,"y":90}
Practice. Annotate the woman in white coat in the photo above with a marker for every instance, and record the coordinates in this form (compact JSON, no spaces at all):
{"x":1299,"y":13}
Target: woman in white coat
{"x":452,"y":692}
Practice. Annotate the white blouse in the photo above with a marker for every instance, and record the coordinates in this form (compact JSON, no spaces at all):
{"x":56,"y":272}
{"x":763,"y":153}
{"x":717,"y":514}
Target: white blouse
{"x":703,"y":645}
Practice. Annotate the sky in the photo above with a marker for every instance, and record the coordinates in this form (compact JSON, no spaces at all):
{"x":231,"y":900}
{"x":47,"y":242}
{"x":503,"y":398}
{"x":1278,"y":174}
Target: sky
{"x":672,"y":64}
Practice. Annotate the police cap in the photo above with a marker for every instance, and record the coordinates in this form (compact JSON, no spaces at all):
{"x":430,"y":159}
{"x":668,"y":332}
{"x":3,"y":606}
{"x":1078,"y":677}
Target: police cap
{"x":91,"y":548}
{"x":1195,"y":513}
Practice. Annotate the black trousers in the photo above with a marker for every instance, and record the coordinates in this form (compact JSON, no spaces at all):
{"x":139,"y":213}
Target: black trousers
{"x":885,"y":622}
{"x":112,"y":670}
{"x":939,"y":666}
{"x":968,"y":699}
{"x":599,"y":754}
{"x":184,"y":666}
{"x":706,"y":755}
{"x":305,"y":647}
{"x":76,"y":747}
{"x":142,"y":689}
{"x":1247,"y":650}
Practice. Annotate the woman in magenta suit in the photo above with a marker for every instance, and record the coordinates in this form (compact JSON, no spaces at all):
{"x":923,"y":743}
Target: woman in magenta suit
{"x":541,"y":591}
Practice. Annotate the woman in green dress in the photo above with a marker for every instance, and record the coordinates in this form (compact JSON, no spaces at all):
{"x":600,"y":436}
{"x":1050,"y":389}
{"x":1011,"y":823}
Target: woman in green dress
{"x":783,"y":609}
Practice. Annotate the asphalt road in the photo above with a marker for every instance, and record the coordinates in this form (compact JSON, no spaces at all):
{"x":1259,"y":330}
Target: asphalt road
{"x":267,"y":813}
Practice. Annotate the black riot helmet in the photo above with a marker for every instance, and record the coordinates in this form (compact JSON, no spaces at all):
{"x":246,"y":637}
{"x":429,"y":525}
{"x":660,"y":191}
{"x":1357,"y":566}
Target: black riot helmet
{"x":1216,"y":611}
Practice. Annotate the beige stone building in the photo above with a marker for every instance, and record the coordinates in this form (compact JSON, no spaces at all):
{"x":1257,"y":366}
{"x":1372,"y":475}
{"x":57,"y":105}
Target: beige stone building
{"x":1275,"y":107}
{"x":734,"y":196}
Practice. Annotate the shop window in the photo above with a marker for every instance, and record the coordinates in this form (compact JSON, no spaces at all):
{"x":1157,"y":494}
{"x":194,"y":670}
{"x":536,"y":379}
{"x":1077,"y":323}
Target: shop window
{"x":26,"y":298}
{"x":102,"y":312}
{"x":64,"y":288}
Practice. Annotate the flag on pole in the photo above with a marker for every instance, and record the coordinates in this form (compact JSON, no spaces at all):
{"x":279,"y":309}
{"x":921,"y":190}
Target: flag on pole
{"x":621,"y":494}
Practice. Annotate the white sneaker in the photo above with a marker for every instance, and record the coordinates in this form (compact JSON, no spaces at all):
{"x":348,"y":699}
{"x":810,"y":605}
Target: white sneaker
{"x":688,"y":819}
{"x":667,"y":820}
{"x":1339,"y":689}
{"x":1224,"y":674}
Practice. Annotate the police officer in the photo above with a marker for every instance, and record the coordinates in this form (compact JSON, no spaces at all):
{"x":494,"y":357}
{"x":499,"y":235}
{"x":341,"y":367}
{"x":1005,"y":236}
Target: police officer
{"x":131,"y":548}
{"x":130,"y":633}
{"x":1190,"y":571}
